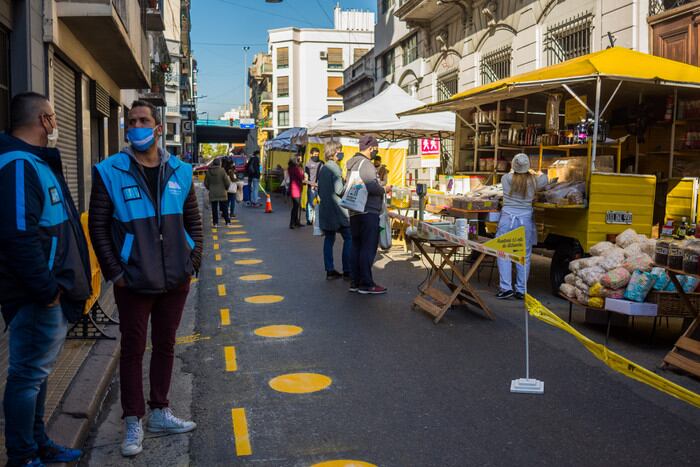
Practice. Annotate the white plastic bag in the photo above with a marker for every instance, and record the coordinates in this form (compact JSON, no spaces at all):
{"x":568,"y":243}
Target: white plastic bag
{"x":612,"y":258}
{"x":627,"y":238}
{"x":384,"y":229}
{"x":600,"y":248}
{"x":355,"y":193}
{"x":591,"y":275}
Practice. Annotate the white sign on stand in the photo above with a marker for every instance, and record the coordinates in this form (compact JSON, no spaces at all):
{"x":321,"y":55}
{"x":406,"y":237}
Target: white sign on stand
{"x":430,"y":153}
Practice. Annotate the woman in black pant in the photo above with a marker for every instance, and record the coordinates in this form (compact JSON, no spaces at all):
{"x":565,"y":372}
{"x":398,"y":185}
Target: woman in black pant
{"x":296,"y":181}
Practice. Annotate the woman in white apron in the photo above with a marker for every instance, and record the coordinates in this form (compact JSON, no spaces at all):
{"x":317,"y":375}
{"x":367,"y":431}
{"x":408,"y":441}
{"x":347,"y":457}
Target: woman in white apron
{"x":519,"y":187}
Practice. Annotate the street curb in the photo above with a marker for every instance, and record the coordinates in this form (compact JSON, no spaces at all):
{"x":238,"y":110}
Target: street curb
{"x":80,"y":407}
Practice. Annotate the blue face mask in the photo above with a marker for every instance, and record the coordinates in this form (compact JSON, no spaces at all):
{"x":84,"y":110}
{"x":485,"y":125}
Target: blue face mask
{"x":141,"y":138}
{"x":340,"y":156}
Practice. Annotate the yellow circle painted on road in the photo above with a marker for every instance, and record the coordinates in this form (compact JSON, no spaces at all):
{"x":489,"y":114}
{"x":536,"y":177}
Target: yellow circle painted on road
{"x":279,"y":330}
{"x":255,"y":277}
{"x":243,"y":250}
{"x":239,"y":240}
{"x":236,"y":232}
{"x":300,"y":383}
{"x":264,"y":299}
{"x":248,"y":262}
{"x":344,"y":463}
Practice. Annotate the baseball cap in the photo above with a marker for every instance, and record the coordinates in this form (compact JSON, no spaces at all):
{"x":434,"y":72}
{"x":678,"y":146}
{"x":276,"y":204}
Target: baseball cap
{"x":368,"y":141}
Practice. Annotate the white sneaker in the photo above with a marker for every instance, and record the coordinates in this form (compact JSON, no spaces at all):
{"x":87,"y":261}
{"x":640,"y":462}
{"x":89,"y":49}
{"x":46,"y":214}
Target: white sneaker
{"x":163,"y":420}
{"x":133,"y":437}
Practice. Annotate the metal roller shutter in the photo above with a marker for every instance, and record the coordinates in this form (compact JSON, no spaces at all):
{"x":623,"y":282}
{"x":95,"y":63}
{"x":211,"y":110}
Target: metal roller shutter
{"x":66,"y":108}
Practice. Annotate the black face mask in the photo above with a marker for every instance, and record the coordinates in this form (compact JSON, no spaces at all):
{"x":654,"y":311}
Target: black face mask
{"x":340,"y":156}
{"x":374,"y":153}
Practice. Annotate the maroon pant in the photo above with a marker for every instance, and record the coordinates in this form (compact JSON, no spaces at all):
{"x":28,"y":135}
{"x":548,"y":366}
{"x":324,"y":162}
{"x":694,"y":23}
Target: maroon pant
{"x":165,"y":311}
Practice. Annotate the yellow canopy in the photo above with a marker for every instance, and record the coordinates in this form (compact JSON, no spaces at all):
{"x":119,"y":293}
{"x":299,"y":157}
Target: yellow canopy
{"x":615,"y":63}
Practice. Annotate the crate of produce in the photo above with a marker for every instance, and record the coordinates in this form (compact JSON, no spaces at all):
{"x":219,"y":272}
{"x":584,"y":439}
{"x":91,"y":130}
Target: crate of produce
{"x":670,"y":304}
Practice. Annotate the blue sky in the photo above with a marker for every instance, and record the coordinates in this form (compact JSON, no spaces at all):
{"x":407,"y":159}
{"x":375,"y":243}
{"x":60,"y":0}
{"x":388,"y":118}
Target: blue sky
{"x":220,"y":28}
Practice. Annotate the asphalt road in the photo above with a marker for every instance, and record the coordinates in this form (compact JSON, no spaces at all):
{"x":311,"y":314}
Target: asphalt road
{"x":403,"y":391}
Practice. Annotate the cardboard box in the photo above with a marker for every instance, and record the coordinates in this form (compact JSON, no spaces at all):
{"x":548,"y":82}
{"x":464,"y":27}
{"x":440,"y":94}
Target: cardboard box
{"x":630,"y":308}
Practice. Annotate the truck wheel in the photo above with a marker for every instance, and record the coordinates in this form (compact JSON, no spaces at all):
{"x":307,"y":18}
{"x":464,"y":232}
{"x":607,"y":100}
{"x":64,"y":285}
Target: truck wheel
{"x":563,"y":255}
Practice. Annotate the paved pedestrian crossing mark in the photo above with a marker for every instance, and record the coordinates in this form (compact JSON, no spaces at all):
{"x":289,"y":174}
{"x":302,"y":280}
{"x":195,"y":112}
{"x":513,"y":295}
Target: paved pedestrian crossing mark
{"x":255,"y":277}
{"x":240,"y":432}
{"x":278,"y":331}
{"x":225,"y":316}
{"x":248,"y":262}
{"x":222,"y":290}
{"x":264,"y":299}
{"x":230,"y":357}
{"x":300,"y":383}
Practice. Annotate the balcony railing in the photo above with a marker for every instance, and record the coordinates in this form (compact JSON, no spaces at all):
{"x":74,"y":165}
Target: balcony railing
{"x":659,"y":6}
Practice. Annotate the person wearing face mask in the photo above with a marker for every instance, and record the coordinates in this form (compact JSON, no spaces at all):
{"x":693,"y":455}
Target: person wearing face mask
{"x":146,"y":228}
{"x":44,"y":273}
{"x":382,"y":171}
{"x":332,"y":217}
{"x":364,"y":226}
{"x":311,"y":170}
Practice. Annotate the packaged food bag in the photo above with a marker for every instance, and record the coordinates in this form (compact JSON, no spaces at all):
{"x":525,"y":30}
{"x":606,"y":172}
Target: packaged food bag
{"x":690,"y":284}
{"x":627,"y":238}
{"x":570,"y":279}
{"x":619,"y":293}
{"x":599,"y":248}
{"x":568,"y":290}
{"x":662,"y":278}
{"x":661,"y":252}
{"x":633,"y":250}
{"x":639,"y":286}
{"x":582,"y":297}
{"x":649,"y":247}
{"x":618,"y":278}
{"x":675,"y":255}
{"x":591,"y":275}
{"x":581,"y":285}
{"x":582,"y":263}
{"x":640,"y":263}
{"x":611,"y":259}
{"x":691,"y":257}
{"x":596,"y":302}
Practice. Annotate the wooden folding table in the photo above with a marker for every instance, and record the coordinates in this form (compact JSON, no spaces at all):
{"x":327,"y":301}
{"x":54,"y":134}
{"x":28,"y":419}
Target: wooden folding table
{"x":436,"y":302}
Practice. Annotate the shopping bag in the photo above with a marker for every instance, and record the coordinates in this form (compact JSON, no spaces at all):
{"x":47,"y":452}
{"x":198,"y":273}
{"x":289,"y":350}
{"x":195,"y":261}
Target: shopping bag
{"x":355,"y":193}
{"x":317,"y":227}
{"x":239,"y":191}
{"x":384,"y":229}
{"x":233,"y":188}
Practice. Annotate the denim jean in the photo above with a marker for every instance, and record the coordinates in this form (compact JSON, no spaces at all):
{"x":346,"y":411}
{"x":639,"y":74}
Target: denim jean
{"x":232,"y":204}
{"x":37,"y":334}
{"x":254,"y":190}
{"x":507,"y":223}
{"x":365,"y":239}
{"x":311,"y":195}
{"x":329,"y":241}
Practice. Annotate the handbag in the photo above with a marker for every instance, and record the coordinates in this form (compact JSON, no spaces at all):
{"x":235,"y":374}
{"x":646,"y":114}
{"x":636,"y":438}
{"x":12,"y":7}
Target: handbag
{"x":384,"y":228}
{"x":355,"y":192}
{"x":232,"y":188}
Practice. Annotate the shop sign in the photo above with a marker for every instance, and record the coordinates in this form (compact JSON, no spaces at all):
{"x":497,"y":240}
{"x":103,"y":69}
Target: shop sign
{"x":573,"y":111}
{"x":618,"y":217}
{"x":430,"y":146}
{"x":247,"y":123}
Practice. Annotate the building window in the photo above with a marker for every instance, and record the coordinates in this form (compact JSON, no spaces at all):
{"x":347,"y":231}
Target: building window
{"x":413,"y":146}
{"x":4,"y":80}
{"x":335,"y":59}
{"x":171,"y":130}
{"x":569,"y":39}
{"x":334,"y":109}
{"x":496,"y":65}
{"x":282,"y":115}
{"x":410,"y":49}
{"x":446,"y":87}
{"x":283,"y":86}
{"x":283,"y":57}
{"x":388,"y":63}
{"x":357,"y":54}
{"x":334,"y":82}
{"x":386,"y":4}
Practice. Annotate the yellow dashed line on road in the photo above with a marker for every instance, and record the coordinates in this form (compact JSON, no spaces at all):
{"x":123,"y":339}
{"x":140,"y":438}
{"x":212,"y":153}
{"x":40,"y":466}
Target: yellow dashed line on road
{"x":264,"y":299}
{"x":255,"y":277}
{"x":216,"y":246}
{"x":278,"y":331}
{"x":240,"y":432}
{"x":222,"y":290}
{"x":219,"y":271}
{"x":217,"y":257}
{"x":300,"y":383}
{"x":225,"y":316}
{"x":230,"y":356}
{"x":236,"y":232}
{"x":214,"y":230}
{"x":248,"y":262}
{"x":215,"y":237}
{"x":239,"y":240}
{"x":243,"y":250}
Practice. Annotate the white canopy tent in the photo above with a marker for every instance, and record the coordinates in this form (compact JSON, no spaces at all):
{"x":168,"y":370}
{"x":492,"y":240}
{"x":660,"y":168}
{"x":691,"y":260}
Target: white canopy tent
{"x":378,"y":117}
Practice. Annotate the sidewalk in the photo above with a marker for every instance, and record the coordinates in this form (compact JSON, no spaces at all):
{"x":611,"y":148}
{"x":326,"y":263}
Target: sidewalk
{"x":77,"y":385}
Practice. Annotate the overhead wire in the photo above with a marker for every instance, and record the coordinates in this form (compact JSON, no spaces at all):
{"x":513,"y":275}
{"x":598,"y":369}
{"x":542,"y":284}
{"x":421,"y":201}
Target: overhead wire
{"x":229,"y":2}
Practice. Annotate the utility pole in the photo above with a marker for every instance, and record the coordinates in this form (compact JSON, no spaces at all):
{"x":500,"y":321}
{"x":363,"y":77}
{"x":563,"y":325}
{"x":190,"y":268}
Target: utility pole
{"x":245,"y":78}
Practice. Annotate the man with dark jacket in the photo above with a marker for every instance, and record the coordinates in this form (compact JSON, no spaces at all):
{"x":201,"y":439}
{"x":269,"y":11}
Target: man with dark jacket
{"x":146,"y":229}
{"x":253,"y":171}
{"x":365,"y":225}
{"x":311,"y":171}
{"x":44,"y":273}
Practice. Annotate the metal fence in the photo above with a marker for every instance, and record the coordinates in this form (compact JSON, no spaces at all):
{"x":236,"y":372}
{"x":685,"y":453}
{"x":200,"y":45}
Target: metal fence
{"x":569,"y":39}
{"x":496,"y":65}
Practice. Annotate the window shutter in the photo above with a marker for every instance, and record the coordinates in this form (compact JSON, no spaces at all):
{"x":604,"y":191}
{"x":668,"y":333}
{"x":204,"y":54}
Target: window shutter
{"x":357,"y":54}
{"x":283,"y":57}
{"x":283,"y":86}
{"x":334,"y":82}
{"x":335,"y":58}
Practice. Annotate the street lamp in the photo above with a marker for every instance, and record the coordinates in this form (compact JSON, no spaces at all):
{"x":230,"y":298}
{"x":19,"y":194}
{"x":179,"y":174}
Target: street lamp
{"x":204,"y":112}
{"x":245,"y":77}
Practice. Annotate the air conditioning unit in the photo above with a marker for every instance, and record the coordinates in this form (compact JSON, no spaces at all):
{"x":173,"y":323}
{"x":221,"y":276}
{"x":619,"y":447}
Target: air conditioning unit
{"x":324,"y":55}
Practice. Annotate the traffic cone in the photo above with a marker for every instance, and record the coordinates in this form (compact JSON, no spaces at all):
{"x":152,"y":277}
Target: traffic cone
{"x":268,"y":205}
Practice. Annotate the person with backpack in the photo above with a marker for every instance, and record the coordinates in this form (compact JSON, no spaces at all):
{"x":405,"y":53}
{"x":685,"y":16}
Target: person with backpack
{"x":253,"y":172}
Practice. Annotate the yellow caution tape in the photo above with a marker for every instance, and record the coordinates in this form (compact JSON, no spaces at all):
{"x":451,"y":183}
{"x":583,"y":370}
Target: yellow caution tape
{"x":611,"y":359}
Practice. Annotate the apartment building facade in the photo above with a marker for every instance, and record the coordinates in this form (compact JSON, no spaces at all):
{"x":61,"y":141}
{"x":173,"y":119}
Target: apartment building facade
{"x":308,"y":64}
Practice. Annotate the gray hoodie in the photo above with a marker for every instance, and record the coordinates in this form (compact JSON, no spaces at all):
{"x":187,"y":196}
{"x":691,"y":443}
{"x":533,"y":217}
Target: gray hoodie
{"x":375,"y":190}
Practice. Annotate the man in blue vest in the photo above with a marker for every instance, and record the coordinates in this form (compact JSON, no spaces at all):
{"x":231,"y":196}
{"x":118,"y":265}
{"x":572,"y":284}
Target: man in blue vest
{"x":146,"y":230}
{"x":44,"y":273}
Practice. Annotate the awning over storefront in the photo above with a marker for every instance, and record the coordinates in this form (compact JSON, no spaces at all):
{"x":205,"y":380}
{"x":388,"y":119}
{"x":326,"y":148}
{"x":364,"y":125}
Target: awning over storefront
{"x":378,"y":117}
{"x":615,"y":63}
